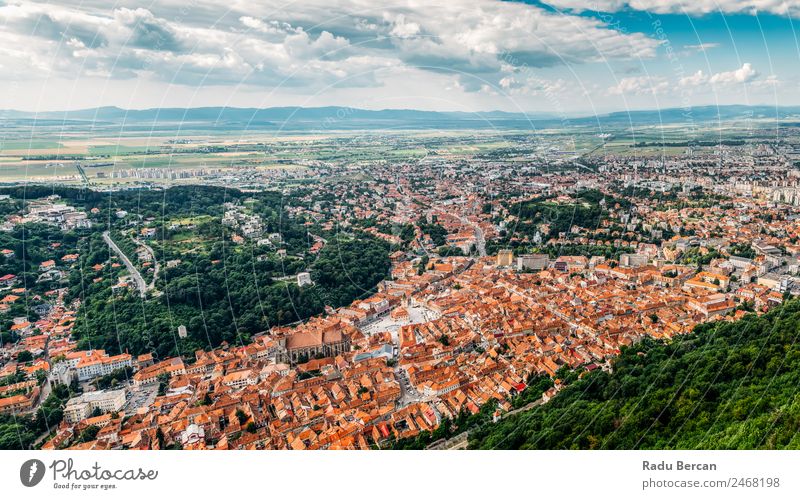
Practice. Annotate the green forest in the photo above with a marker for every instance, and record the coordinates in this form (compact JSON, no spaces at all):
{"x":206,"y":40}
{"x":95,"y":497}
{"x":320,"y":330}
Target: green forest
{"x":224,"y":296}
{"x":587,"y":211}
{"x":728,"y":385}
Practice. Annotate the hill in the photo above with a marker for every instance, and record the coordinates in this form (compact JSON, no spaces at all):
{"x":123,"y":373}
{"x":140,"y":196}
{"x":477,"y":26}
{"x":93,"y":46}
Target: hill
{"x":346,"y":118}
{"x":728,"y":385}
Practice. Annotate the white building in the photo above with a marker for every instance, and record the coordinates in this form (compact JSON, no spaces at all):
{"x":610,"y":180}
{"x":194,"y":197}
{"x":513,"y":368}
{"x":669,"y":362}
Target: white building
{"x":304,"y":279}
{"x":192,"y":434}
{"x":532,"y":262}
{"x":81,"y":407}
{"x":632,"y":260}
{"x":90,"y":364}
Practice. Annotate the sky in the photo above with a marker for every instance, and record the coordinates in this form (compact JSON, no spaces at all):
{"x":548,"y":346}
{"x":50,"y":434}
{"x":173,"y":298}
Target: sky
{"x":559,"y":57}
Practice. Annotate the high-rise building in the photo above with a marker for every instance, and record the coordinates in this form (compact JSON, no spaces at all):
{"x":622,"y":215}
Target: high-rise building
{"x":505,"y":258}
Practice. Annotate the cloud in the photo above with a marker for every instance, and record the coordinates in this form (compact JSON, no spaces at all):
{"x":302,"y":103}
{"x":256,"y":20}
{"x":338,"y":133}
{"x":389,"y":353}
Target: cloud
{"x":146,"y":31}
{"x":641,"y":85}
{"x":554,"y":90}
{"x":745,"y":74}
{"x":770,"y":83}
{"x":700,"y":47}
{"x":688,"y":7}
{"x":695,"y":80}
{"x":742,"y":75}
{"x":313,"y":44}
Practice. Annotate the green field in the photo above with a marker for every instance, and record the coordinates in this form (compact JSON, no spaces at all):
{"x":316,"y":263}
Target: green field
{"x":116,"y":149}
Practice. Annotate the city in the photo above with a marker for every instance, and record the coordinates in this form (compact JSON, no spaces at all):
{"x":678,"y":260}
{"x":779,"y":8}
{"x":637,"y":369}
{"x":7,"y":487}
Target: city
{"x":533,"y":269}
{"x":400,"y":237}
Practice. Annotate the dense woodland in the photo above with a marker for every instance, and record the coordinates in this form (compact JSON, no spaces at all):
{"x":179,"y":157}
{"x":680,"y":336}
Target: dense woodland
{"x":726,"y":386}
{"x":587,"y":211}
{"x":223,"y":297}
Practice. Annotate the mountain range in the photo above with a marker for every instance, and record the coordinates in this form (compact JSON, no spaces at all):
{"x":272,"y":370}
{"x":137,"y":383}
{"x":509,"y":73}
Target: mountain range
{"x":333,"y":117}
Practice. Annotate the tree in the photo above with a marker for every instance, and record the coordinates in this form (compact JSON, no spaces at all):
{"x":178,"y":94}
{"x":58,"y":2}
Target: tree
{"x":88,"y":434}
{"x":160,"y":437}
{"x":241,"y":416}
{"x":163,"y":383}
{"x":24,"y":356}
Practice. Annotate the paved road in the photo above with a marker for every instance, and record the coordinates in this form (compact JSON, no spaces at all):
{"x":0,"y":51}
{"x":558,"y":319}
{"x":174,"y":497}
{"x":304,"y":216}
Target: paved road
{"x":480,"y":243}
{"x":137,"y":277}
{"x":408,"y":394}
{"x":156,"y":265}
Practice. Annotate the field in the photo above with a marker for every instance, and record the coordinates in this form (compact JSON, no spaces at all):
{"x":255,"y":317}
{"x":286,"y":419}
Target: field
{"x":192,"y":156}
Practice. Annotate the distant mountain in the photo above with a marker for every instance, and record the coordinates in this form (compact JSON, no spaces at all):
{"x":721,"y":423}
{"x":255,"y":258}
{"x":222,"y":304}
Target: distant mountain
{"x":334,"y":117}
{"x":696,"y":114}
{"x":221,"y":114}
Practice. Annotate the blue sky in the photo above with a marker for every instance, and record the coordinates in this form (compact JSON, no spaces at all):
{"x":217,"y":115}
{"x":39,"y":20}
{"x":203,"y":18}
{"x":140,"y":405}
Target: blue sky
{"x":550,"y":56}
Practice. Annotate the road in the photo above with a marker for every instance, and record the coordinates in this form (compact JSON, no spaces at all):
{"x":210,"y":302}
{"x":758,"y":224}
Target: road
{"x":156,"y":265}
{"x":408,"y":394}
{"x":480,"y":240}
{"x":137,"y":277}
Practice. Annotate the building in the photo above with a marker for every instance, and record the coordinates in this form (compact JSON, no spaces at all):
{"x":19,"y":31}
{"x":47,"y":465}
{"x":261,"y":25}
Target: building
{"x":171,"y":367}
{"x":708,"y":280}
{"x":81,"y":407}
{"x":711,"y":306}
{"x":22,"y":402}
{"x":505,"y":258}
{"x":241,"y":378}
{"x":571,"y":263}
{"x":632,"y":260}
{"x":315,"y":343}
{"x":532,"y":262}
{"x":775,"y":282}
{"x":90,"y":364}
{"x":193,"y":434}
{"x":304,"y":279}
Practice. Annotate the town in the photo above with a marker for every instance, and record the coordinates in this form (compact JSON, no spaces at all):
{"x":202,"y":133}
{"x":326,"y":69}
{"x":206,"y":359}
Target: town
{"x":512,"y":272}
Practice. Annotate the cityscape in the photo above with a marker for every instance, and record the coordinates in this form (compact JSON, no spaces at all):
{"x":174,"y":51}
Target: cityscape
{"x":387,"y":303}
{"x":261,"y":229}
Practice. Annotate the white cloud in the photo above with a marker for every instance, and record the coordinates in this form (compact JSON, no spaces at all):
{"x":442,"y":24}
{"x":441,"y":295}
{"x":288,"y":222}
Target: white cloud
{"x":315,"y":47}
{"x":695,"y":80}
{"x":745,"y":74}
{"x":742,"y":75}
{"x":641,"y":85}
{"x":401,"y":27}
{"x":266,"y":43}
{"x":700,"y":47}
{"x":770,"y":83}
{"x":691,"y":7}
